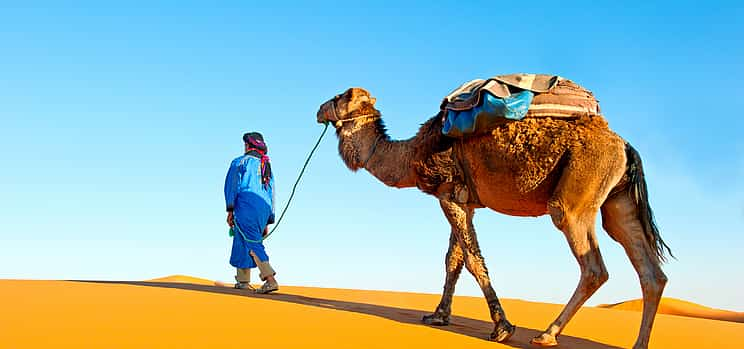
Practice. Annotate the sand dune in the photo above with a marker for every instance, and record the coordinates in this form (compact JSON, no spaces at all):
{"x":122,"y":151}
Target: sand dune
{"x":185,"y":312}
{"x":673,"y":306}
{"x":183,"y":279}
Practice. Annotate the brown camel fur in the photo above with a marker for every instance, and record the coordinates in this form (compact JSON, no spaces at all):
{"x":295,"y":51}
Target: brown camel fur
{"x":567,"y":168}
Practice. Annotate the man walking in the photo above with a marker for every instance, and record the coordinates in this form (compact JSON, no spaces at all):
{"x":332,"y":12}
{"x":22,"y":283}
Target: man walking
{"x":249,"y":196}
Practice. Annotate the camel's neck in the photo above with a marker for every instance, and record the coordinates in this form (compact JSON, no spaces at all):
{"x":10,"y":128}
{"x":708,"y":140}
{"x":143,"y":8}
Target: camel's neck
{"x":365,"y":144}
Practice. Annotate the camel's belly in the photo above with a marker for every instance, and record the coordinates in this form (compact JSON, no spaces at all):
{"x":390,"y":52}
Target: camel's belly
{"x":515,"y":169}
{"x":498,"y":190}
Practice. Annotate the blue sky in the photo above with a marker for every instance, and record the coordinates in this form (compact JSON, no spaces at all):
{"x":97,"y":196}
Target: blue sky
{"x":119,"y":122}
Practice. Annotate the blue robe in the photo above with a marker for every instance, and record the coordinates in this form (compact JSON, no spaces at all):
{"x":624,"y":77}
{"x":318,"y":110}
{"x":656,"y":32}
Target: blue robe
{"x":252,"y":204}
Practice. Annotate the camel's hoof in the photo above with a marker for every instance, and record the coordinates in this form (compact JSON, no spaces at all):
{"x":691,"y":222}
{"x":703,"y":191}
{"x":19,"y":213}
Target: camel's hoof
{"x":544,"y":340}
{"x":503,"y":332}
{"x":436,"y":320}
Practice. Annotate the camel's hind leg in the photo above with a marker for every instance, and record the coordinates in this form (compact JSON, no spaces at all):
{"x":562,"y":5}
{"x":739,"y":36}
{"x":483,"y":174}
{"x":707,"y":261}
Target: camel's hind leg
{"x":461,"y":220}
{"x":579,"y":232}
{"x":453,"y":263}
{"x":573,"y":209}
{"x":621,"y":220}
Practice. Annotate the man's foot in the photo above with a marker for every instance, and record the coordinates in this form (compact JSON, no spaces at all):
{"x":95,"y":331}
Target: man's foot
{"x":244,"y":286}
{"x":268,"y":287}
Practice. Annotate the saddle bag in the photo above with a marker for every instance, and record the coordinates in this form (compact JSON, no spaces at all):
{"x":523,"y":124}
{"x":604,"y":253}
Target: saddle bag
{"x":479,"y":106}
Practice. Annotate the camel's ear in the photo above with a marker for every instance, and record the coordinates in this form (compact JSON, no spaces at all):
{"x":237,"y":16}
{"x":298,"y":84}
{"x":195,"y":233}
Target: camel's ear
{"x":358,"y":97}
{"x":363,"y":96}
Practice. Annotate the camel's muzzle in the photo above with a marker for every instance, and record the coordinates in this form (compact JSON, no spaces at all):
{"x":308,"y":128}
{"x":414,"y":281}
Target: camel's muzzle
{"x":327,"y":112}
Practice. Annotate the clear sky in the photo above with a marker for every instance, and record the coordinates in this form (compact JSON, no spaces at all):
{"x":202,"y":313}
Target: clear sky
{"x":118,"y":125}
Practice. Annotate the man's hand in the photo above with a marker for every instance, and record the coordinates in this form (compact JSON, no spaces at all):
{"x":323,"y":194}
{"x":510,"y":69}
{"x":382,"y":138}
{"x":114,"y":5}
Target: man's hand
{"x":266,"y":231}
{"x":230,"y":220}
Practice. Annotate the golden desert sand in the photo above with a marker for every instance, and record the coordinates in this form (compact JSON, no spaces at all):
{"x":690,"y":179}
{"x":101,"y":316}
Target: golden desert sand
{"x":187,"y":312}
{"x":673,"y":306}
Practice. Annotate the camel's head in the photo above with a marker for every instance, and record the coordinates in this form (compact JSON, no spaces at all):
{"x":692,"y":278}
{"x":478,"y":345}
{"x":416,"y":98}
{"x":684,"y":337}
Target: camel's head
{"x":354,"y":103}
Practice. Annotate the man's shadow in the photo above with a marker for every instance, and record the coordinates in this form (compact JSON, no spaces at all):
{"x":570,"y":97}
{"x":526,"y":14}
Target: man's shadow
{"x":458,"y":324}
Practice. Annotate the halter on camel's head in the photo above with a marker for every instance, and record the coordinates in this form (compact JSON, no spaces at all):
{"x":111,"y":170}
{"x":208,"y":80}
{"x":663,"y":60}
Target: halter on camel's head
{"x":356,"y":103}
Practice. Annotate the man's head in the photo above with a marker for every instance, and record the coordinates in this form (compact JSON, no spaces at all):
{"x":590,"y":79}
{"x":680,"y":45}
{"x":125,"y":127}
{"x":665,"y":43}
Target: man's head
{"x":254,"y":140}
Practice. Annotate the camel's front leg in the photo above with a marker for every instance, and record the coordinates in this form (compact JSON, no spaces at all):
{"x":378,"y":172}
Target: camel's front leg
{"x":461,"y":219}
{"x":453,"y":263}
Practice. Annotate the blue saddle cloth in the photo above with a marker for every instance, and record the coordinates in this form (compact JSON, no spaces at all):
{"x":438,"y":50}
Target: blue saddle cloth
{"x":489,"y":113}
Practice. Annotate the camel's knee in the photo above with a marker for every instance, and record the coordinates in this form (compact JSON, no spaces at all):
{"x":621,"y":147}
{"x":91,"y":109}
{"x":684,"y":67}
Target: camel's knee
{"x":595,"y":277}
{"x":661,"y":278}
{"x":602,"y":277}
{"x":653,"y":279}
{"x":477,"y":267}
{"x":653,"y":285}
{"x":660,"y":281}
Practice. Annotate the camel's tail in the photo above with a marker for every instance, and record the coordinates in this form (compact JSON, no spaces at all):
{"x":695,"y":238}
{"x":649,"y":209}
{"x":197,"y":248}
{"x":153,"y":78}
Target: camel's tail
{"x":639,"y":193}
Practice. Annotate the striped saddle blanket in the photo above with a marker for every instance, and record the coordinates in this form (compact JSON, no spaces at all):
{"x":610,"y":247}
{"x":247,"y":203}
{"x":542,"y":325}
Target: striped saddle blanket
{"x":481,"y":105}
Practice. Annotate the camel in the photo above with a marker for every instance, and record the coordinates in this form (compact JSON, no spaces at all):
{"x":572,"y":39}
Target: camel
{"x":566,"y":168}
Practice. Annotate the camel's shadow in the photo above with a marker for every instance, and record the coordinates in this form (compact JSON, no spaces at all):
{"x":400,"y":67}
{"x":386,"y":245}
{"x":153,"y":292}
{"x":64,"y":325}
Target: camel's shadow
{"x":460,"y":325}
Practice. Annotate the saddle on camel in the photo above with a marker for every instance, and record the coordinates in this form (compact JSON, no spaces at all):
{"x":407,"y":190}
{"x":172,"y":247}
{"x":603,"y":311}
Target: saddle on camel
{"x":480,"y":105}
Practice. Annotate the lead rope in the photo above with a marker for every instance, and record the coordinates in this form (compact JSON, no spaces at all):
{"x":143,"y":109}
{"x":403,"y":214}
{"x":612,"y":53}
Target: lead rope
{"x":235,"y":223}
